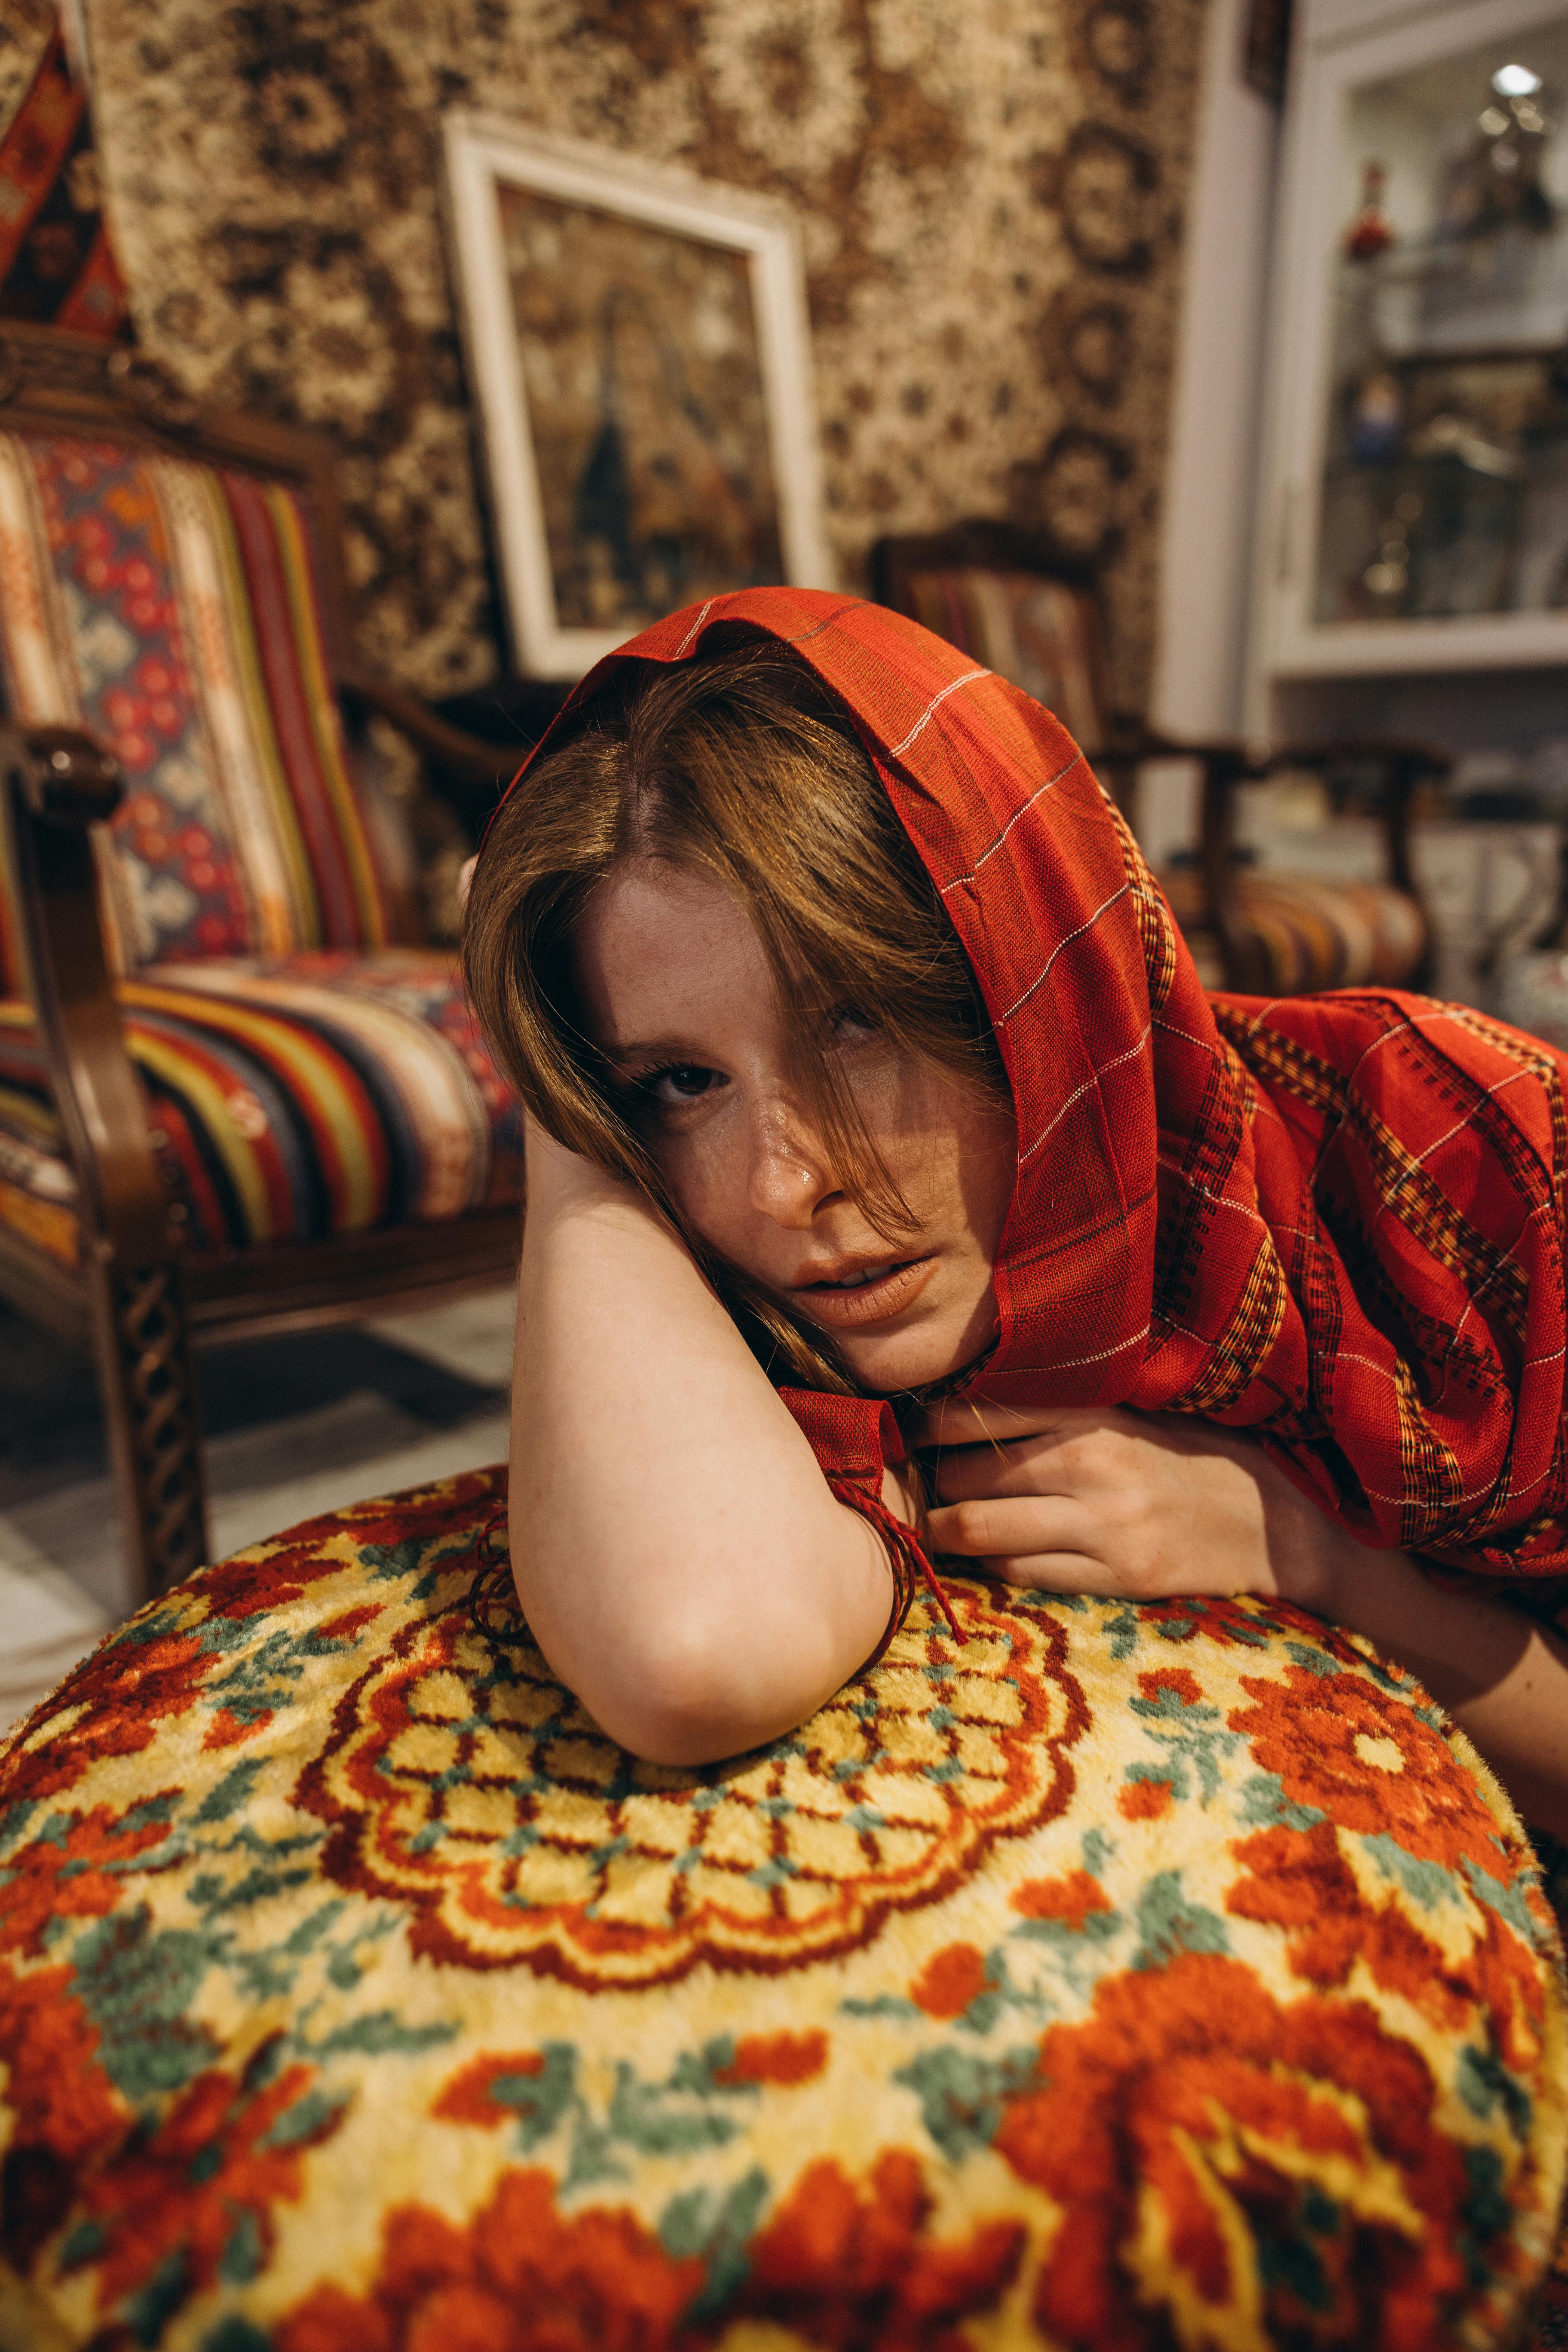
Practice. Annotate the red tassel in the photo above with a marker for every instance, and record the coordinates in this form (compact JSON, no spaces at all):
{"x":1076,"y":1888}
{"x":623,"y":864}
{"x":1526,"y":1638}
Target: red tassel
{"x":493,"y":1596}
{"x":909,"y":1564}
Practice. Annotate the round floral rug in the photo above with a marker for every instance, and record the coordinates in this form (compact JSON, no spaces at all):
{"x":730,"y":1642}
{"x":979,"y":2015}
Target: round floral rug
{"x":1164,"y":1975}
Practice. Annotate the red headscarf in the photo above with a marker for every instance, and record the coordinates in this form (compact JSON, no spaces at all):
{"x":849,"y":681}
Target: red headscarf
{"x":1336,"y":1220}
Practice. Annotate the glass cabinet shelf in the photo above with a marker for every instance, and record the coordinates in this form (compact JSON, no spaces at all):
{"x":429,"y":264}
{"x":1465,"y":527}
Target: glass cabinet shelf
{"x":1418,"y":488}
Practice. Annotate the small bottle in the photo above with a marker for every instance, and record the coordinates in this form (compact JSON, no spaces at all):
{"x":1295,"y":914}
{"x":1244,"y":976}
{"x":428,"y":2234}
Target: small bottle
{"x":1372,"y":232}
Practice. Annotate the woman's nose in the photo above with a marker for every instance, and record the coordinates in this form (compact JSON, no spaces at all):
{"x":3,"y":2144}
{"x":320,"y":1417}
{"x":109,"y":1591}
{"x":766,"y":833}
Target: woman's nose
{"x":791,"y":1177}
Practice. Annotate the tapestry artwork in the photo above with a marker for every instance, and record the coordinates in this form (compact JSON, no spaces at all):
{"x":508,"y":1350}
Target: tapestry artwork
{"x":661,"y":328}
{"x":1127,"y":1977}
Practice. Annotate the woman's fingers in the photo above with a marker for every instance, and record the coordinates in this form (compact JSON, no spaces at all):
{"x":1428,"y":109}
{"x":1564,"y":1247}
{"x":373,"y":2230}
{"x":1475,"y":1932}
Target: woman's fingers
{"x":997,"y":1527}
{"x":1066,"y":1459}
{"x":1049,"y":1571}
{"x":970,"y":1421}
{"x":1054,"y":1571}
{"x":1024,"y":1467}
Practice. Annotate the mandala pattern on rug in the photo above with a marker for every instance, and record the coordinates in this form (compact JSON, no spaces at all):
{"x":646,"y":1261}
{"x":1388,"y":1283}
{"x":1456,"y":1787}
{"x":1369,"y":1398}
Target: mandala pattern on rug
{"x":480,"y":1793}
{"x":1134,"y":1977}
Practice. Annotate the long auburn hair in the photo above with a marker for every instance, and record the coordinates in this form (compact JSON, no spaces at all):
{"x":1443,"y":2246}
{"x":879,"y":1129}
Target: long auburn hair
{"x":742,"y":767}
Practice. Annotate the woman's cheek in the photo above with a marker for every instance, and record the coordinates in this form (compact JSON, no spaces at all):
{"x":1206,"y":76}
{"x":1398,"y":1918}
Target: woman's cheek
{"x":890,"y":1098}
{"x":708,"y":1192}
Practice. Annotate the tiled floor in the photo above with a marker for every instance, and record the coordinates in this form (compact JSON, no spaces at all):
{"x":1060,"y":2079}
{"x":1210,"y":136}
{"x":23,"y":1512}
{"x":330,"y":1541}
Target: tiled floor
{"x":292,"y":1426}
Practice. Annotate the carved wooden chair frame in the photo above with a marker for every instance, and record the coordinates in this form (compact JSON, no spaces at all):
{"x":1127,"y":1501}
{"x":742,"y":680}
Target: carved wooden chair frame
{"x":135,"y":1298}
{"x":1224,"y":764}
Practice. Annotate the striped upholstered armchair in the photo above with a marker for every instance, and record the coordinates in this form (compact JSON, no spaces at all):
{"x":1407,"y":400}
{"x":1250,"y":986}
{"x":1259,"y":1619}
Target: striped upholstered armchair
{"x":238,"y":1094}
{"x":1033,"y":615}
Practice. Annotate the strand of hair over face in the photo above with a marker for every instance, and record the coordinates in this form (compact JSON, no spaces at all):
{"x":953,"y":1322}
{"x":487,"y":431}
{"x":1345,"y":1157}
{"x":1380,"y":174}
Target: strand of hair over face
{"x":741,"y":766}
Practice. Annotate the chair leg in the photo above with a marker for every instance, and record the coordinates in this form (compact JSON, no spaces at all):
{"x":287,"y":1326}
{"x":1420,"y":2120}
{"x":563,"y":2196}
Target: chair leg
{"x":155,"y":1442}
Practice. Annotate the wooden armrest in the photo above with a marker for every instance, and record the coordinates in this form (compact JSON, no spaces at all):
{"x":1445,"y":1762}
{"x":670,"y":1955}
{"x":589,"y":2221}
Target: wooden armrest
{"x":65,"y":777}
{"x":1405,"y":765}
{"x":1131,"y":740}
{"x":1225,"y":765}
{"x":1256,"y":757}
{"x":1401,"y":756}
{"x":55,"y":783}
{"x":468,"y":757}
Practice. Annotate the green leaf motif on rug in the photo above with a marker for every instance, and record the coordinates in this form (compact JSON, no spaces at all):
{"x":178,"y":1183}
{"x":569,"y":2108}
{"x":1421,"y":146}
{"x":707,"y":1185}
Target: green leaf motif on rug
{"x":1264,"y":1806}
{"x":963,"y":2097}
{"x":700,"y":2225}
{"x":1169,"y":1925}
{"x":136,"y":1985}
{"x":1483,"y":2080}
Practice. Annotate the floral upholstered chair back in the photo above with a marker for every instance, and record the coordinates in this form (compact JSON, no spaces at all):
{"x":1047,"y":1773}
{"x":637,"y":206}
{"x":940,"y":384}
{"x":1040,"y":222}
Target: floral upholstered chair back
{"x":173,"y":608}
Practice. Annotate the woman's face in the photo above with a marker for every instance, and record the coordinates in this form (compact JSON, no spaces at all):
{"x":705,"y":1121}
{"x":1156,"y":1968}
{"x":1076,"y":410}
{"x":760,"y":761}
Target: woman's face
{"x":678,"y":995}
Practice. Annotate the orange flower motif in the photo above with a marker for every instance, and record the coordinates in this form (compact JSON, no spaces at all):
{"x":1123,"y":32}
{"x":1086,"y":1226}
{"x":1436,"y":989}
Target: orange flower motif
{"x":1366,"y":1758}
{"x":1071,"y":1899}
{"x":1180,"y":2146}
{"x":64,"y":2107}
{"x":844,"y":2265}
{"x":1187,"y":1614}
{"x":1144,"y":1801}
{"x":218,"y":2154}
{"x":349,"y":1625}
{"x":1299,"y":1880}
{"x":1174,"y":1679}
{"x":783,"y":2058}
{"x":469,"y":2098}
{"x":950,"y":1980}
{"x":77,"y":1875}
{"x":521,"y":2278}
{"x":848,"y":2268}
{"x":137,"y":1687}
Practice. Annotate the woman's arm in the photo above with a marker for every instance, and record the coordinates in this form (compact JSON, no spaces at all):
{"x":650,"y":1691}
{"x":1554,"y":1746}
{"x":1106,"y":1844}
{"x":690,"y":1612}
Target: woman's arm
{"x":1502,"y":1677}
{"x":1149,"y":1505}
{"x":678,"y":1554}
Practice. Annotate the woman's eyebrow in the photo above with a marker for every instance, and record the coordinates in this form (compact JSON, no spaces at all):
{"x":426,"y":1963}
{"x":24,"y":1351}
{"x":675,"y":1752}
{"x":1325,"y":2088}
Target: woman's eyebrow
{"x":662,"y":1049}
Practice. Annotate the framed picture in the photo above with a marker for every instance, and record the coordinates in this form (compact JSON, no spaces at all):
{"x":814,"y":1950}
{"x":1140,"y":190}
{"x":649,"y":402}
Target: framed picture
{"x":1266,"y":49}
{"x":638,"y":349}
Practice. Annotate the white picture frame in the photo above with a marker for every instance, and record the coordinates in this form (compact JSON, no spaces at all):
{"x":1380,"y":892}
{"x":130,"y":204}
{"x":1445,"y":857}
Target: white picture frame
{"x":557,"y":416}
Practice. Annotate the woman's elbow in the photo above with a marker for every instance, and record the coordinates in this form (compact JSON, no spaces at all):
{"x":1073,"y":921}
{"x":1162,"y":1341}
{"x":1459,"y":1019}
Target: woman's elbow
{"x":678,"y":1740}
{"x":684,"y":1698}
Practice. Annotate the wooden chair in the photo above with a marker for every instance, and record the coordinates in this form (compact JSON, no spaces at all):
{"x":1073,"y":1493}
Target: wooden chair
{"x":236,"y":1097}
{"x":1016,"y":604}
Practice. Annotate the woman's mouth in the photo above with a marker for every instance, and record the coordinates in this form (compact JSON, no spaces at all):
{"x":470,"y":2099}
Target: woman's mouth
{"x":867,"y":1294}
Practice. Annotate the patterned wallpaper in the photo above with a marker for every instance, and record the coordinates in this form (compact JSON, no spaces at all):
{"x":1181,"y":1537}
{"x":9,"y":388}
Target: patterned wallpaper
{"x":991,"y":197}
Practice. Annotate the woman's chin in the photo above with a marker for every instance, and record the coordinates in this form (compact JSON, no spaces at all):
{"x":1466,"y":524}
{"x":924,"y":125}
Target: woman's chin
{"x":889,"y":1363}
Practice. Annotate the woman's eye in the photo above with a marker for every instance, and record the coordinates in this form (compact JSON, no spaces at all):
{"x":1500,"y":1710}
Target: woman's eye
{"x":850,"y":1025}
{"x":682,"y":1081}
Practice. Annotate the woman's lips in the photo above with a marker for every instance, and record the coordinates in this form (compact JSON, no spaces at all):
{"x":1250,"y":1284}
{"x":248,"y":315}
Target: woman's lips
{"x":876,"y":1301}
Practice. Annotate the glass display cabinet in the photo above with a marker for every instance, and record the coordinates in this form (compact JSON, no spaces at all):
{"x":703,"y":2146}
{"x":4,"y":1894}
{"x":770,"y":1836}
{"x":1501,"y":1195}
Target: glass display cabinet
{"x":1415,"y":491}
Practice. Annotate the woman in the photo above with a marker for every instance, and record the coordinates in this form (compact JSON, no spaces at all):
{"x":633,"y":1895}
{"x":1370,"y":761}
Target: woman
{"x":862,"y":1062}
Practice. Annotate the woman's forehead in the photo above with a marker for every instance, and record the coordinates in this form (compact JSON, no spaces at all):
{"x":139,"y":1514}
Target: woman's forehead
{"x":662,"y":949}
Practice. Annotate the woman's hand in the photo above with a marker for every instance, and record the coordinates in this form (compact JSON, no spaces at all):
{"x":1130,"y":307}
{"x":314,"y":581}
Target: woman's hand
{"x":1147,"y":1505}
{"x":1096,"y":1499}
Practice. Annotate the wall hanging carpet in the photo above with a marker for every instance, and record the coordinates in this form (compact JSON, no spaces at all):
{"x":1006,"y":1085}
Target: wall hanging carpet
{"x":991,"y":201}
